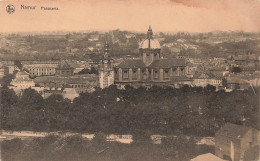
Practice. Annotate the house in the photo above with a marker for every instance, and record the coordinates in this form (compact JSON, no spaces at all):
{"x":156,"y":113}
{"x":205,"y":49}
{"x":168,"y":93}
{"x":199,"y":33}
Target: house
{"x":207,"y":157}
{"x":237,"y":83}
{"x":202,"y":79}
{"x":21,"y":81}
{"x":237,"y":143}
{"x":10,"y":69}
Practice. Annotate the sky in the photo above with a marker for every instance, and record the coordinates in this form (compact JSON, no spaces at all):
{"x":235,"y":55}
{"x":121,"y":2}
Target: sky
{"x":132,"y":15}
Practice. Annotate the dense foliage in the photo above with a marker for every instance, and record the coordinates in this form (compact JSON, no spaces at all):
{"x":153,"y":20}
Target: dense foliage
{"x":188,"y":110}
{"x":76,"y":148}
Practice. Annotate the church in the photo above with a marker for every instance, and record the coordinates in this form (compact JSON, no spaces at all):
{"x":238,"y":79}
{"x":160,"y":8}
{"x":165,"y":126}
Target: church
{"x":148,"y":70}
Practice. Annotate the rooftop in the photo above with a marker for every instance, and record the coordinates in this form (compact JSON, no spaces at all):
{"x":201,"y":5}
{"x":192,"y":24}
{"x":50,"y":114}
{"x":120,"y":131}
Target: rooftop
{"x":233,"y":130}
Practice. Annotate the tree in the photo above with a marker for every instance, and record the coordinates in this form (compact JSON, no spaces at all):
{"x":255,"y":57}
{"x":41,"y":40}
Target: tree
{"x":236,"y":70}
{"x":9,"y":112}
{"x":6,"y":80}
{"x":99,"y":139}
{"x":18,"y":64}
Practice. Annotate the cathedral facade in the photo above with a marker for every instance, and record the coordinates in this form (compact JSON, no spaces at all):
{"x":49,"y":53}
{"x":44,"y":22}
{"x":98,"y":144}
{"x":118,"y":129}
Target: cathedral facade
{"x":149,"y":69}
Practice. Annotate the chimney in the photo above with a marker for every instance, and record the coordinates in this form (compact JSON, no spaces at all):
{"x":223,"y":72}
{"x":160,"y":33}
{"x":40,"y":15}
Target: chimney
{"x":232,"y":151}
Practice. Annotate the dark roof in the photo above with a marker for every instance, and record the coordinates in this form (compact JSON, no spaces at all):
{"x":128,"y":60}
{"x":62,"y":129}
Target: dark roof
{"x":233,"y":130}
{"x":167,"y":63}
{"x":180,"y":78}
{"x":64,"y":65}
{"x":131,"y":64}
{"x":66,"y":80}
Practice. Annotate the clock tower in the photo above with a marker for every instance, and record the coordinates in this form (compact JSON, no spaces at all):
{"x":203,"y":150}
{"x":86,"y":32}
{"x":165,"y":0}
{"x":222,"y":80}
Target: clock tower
{"x":106,"y":72}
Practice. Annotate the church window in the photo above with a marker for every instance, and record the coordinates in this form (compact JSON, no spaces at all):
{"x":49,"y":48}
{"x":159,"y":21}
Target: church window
{"x":125,"y":74}
{"x":155,"y":54}
{"x":166,"y":74}
{"x":155,"y":74}
{"x":134,"y":74}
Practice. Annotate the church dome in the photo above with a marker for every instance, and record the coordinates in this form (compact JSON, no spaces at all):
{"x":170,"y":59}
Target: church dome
{"x":149,"y":42}
{"x":152,"y":43}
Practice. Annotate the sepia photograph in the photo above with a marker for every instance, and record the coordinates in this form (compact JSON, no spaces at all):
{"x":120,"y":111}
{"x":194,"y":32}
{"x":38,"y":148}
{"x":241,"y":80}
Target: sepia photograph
{"x":129,"y":80}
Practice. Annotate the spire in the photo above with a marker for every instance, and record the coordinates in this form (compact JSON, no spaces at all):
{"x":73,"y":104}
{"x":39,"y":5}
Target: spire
{"x":149,"y":32}
{"x":106,"y":50}
{"x":149,"y":35}
{"x":106,"y":47}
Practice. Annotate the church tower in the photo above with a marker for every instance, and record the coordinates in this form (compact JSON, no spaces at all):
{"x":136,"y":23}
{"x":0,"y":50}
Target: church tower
{"x":150,"y":48}
{"x":106,"y":72}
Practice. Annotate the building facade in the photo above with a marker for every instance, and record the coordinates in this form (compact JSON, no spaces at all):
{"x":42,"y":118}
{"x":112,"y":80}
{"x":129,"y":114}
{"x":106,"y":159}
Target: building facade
{"x":21,"y":81}
{"x":149,"y":69}
{"x":41,"y":69}
{"x":237,"y":143}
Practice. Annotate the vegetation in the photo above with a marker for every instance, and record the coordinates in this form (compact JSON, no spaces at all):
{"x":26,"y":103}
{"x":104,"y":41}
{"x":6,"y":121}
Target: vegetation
{"x":157,"y":110}
{"x":53,"y":148}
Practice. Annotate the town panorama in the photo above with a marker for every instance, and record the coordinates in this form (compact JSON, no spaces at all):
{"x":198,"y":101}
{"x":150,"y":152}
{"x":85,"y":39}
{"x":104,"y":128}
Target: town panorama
{"x":123,"y":95}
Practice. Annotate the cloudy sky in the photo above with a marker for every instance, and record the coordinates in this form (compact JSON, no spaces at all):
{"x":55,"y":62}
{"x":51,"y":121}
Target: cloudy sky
{"x":134,"y":15}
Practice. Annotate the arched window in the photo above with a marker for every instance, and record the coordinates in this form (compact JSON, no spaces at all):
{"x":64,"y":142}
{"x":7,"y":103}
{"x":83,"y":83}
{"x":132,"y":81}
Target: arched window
{"x":134,"y":75}
{"x":125,"y":74}
{"x":155,"y":74}
{"x":166,"y":74}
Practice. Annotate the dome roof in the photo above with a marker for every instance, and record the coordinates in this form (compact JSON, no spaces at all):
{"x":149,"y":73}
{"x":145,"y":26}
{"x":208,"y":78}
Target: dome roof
{"x":149,"y":42}
{"x":154,"y":44}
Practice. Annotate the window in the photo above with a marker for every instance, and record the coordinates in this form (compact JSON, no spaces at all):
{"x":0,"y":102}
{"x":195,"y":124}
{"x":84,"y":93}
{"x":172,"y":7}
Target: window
{"x":155,"y":54}
{"x":166,"y":74}
{"x":134,"y":74}
{"x":155,"y":74}
{"x":125,"y":74}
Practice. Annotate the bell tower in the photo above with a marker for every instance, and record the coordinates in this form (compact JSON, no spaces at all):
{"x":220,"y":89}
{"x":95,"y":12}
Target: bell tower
{"x":106,"y":72}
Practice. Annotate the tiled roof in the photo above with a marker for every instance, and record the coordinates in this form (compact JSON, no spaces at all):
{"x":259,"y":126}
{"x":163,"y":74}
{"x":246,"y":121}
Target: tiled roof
{"x":180,"y":78}
{"x":65,"y":80}
{"x":207,"y":157}
{"x":64,"y":65}
{"x":233,"y":130}
{"x":236,"y":80}
{"x":131,"y":64}
{"x":200,"y":75}
{"x":167,"y":63}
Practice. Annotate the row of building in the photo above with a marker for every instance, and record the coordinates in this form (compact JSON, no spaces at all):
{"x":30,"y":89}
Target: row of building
{"x":63,"y":81}
{"x":147,"y":70}
{"x":151,"y":69}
